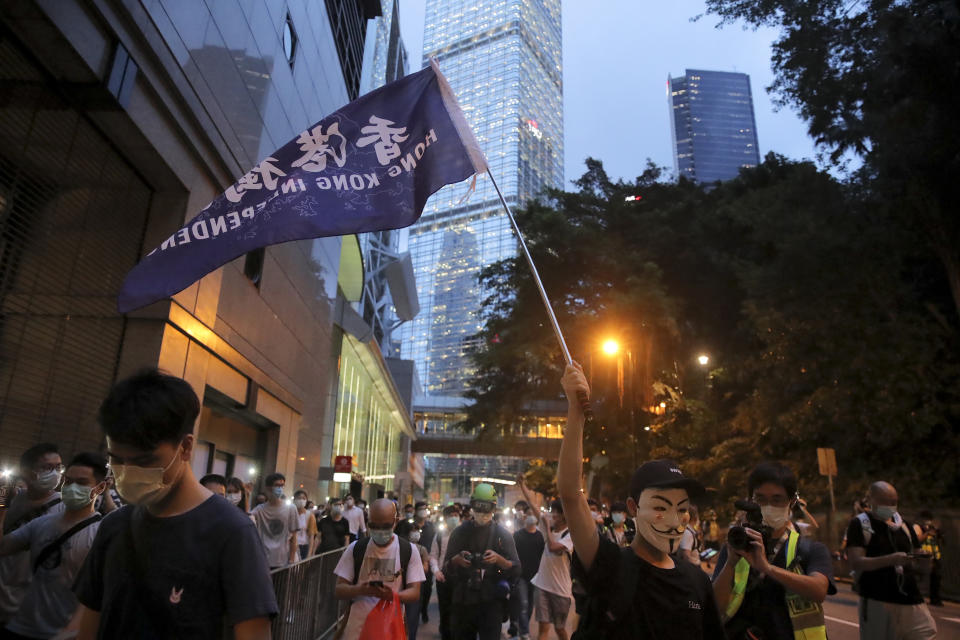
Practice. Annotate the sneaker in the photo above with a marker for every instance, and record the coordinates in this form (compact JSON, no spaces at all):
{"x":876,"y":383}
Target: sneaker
{"x":525,"y":636}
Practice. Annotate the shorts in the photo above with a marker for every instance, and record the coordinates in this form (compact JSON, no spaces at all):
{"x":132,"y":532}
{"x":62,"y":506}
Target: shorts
{"x":552,"y":608}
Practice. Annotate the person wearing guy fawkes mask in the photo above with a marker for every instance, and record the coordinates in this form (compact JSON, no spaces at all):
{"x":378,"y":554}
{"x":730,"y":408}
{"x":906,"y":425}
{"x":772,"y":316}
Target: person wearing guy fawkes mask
{"x":166,"y":564}
{"x":775,"y":592}
{"x":638,"y":591}
{"x":479,"y":564}
{"x":41,"y":469}
{"x":881,"y":547}
{"x":57,"y":544}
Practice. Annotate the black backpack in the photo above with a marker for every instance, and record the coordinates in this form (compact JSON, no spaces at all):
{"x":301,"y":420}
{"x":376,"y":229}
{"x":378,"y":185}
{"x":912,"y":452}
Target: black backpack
{"x":360,"y":549}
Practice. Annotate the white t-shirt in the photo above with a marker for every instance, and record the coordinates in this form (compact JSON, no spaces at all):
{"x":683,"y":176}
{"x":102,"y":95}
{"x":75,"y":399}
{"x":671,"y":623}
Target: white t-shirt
{"x":554,"y":572}
{"x":275,"y":524}
{"x":50,"y":601}
{"x":354,"y":516}
{"x":379,"y":563}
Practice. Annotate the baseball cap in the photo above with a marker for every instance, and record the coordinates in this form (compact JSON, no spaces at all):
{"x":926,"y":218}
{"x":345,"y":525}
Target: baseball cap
{"x":665,"y":474}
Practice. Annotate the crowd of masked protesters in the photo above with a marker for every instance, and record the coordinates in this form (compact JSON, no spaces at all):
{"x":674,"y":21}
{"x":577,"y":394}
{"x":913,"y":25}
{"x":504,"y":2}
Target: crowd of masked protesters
{"x":131,"y":544}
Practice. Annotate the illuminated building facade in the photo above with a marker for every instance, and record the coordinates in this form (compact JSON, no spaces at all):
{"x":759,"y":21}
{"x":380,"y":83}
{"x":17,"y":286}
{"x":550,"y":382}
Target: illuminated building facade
{"x":503,"y":61}
{"x":713,"y":127}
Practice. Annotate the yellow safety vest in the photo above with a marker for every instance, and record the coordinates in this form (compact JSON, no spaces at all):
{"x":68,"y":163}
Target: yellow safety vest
{"x":932,"y":546}
{"x":805,"y":616}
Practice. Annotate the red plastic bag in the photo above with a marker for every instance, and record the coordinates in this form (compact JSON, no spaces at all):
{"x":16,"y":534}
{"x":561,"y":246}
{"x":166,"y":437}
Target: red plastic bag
{"x":385,"y":621}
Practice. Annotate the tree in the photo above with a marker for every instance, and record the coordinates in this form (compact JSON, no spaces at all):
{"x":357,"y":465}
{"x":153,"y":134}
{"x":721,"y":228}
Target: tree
{"x":880,"y":79}
{"x":812,"y":300}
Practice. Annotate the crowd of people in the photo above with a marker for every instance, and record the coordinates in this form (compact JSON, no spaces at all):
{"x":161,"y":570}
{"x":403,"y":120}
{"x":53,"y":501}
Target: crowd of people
{"x":133,"y":545}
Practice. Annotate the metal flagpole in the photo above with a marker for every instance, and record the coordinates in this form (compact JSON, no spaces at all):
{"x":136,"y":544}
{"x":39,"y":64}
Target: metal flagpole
{"x":584,"y":401}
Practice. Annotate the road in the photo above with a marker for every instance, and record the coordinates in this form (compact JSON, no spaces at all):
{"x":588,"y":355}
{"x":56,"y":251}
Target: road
{"x":841,"y":614}
{"x":840,"y":611}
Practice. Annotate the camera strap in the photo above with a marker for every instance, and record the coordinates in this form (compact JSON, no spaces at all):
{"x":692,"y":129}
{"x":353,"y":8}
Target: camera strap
{"x":776,"y":548}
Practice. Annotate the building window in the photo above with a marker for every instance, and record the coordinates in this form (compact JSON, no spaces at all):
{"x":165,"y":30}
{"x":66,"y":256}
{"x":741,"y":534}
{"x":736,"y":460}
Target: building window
{"x":348,"y":22}
{"x":253,"y":266}
{"x":289,"y":40}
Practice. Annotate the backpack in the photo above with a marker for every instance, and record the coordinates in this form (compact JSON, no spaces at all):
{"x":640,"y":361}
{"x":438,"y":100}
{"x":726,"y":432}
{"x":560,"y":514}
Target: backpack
{"x":867,"y":527}
{"x":360,"y":549}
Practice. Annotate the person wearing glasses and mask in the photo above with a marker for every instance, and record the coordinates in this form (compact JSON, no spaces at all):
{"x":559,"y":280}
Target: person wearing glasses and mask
{"x":40,"y":468}
{"x":882,"y":548}
{"x":774,"y":591}
{"x":166,"y":564}
{"x":479,"y":564}
{"x":57,"y":544}
{"x":377,"y":567}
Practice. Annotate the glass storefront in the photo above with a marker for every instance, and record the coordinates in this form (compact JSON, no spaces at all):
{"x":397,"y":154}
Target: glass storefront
{"x":371,"y":419}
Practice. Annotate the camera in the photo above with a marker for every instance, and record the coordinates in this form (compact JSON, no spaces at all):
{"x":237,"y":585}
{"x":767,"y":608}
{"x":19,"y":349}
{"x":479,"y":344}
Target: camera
{"x":476,"y":569}
{"x":737,"y":537}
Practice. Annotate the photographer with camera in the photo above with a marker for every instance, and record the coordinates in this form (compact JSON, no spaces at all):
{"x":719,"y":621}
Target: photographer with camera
{"x":770,"y":582}
{"x":480,"y":562}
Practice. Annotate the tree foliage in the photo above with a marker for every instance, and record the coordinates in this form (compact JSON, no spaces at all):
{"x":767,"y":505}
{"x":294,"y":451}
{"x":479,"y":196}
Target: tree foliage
{"x":824,"y":316}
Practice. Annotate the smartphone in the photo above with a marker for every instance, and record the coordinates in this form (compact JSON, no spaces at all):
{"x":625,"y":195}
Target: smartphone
{"x":376,"y":583}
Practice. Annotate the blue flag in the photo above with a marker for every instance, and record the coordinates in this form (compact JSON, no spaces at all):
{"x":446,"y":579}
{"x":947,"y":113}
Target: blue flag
{"x":368,"y":167}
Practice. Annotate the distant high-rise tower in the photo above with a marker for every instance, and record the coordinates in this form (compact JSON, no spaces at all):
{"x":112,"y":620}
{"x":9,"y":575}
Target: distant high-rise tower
{"x":503,"y":61}
{"x":714,"y":130}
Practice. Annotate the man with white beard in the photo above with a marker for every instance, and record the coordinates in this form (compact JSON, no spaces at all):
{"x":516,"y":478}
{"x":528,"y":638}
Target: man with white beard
{"x":638,"y":591}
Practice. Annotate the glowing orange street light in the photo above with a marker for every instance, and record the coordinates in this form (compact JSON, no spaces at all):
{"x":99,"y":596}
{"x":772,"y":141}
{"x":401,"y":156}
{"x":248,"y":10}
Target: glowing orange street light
{"x":611,"y":347}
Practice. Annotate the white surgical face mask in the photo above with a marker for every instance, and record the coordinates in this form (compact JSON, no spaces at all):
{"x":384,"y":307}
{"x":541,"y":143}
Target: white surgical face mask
{"x":775,"y":517}
{"x":422,"y":513}
{"x":483,"y":519}
{"x":530,"y":521}
{"x":885,"y":512}
{"x":619,"y":518}
{"x":143,"y":485}
{"x":300,"y":502}
{"x":348,"y":504}
{"x":233,"y":498}
{"x":380,"y":537}
{"x":337,"y":510}
{"x":453,"y":522}
{"x":47,"y":480}
{"x":659,"y":520}
{"x":76,"y":496}
{"x":414,"y":536}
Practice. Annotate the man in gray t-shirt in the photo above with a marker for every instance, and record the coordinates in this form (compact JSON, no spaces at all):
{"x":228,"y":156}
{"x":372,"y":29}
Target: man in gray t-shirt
{"x":277,"y":524}
{"x":55,"y":556}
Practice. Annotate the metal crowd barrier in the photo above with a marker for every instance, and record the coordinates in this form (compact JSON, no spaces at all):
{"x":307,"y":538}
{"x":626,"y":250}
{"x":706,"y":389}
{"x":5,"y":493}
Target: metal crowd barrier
{"x":308,"y":610}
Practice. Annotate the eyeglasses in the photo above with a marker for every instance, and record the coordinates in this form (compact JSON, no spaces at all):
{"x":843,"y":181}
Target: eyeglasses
{"x":776,"y":501}
{"x":482,"y":507}
{"x":59,"y":468}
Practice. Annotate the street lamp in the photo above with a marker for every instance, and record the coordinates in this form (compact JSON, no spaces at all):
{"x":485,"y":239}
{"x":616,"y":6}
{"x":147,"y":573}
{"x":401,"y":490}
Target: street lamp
{"x":703,"y":359}
{"x":611,"y":347}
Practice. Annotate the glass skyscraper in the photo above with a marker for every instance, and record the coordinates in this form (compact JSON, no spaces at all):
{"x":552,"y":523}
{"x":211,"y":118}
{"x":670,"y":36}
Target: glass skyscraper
{"x":503,"y":60}
{"x":714,"y":130}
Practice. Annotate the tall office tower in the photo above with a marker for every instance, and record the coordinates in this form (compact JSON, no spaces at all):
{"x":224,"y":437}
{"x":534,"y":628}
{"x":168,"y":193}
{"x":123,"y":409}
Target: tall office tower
{"x":714,"y":132}
{"x":503,"y":60}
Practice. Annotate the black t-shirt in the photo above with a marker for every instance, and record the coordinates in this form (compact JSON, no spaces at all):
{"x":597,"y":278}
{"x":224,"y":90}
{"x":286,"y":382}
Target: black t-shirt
{"x":667,"y":604}
{"x":529,"y":550}
{"x":183,"y":577}
{"x":332,"y":533}
{"x":765,"y":602}
{"x":886,"y":585}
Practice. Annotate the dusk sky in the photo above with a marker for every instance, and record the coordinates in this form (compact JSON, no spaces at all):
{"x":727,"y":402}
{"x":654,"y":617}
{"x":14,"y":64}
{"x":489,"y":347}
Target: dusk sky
{"x":616,"y":57}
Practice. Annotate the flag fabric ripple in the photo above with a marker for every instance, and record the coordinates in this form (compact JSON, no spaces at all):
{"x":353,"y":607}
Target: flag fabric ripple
{"x":369,"y":166}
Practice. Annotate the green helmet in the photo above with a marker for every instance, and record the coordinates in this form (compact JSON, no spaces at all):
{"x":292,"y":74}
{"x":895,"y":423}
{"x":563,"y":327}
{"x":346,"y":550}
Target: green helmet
{"x":484,"y":493}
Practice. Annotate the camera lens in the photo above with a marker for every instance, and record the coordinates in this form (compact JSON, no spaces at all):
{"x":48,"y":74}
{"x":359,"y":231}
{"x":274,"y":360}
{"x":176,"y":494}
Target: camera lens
{"x":737,"y":538}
